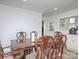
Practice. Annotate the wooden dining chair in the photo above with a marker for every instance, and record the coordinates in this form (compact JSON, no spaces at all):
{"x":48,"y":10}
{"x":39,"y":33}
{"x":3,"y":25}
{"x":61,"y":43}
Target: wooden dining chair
{"x":60,"y":42}
{"x":45,"y":47}
{"x":21,"y":37}
{"x":33,"y":36}
{"x":1,"y":51}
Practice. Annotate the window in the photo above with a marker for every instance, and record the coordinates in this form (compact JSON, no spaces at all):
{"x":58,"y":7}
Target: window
{"x":69,"y":22}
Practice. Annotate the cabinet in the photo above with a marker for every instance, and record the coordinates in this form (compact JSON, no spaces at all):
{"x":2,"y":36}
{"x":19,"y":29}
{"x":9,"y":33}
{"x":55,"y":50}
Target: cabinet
{"x":72,"y":42}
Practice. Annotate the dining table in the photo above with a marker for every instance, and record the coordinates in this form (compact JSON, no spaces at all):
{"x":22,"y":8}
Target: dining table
{"x":16,"y":46}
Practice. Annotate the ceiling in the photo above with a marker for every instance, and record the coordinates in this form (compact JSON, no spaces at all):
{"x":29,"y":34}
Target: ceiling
{"x":44,"y":6}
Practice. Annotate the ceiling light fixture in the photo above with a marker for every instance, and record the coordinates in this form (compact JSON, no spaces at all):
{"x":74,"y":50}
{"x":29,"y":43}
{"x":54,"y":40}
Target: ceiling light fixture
{"x":55,"y":9}
{"x":25,"y":0}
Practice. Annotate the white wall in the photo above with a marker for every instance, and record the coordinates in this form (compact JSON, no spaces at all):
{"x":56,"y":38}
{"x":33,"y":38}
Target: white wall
{"x":72,"y":41}
{"x":13,"y":20}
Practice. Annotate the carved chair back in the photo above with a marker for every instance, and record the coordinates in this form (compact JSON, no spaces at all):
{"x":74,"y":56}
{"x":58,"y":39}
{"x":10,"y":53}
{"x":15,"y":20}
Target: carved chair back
{"x":34,"y":36}
{"x":21,"y":36}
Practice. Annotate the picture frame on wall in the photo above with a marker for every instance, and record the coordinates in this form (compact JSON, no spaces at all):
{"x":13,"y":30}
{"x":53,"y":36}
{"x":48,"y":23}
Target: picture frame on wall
{"x":51,"y":26}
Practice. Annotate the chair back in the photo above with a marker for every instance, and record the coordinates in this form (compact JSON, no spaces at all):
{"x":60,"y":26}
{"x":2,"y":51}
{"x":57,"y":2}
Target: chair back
{"x":34,"y":36}
{"x":21,"y":36}
{"x":60,"y":38}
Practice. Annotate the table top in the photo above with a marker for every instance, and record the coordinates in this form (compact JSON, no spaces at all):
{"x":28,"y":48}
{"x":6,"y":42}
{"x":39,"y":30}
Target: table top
{"x":17,"y":45}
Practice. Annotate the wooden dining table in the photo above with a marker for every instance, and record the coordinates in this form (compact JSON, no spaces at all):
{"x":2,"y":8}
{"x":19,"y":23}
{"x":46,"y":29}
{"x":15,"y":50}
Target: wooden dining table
{"x":21,"y":46}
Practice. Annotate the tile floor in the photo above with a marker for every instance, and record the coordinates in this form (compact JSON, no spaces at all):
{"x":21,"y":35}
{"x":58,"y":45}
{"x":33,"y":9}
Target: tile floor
{"x":66,"y":55}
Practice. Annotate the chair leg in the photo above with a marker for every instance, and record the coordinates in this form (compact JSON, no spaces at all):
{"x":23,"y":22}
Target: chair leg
{"x":58,"y":55}
{"x":1,"y":57}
